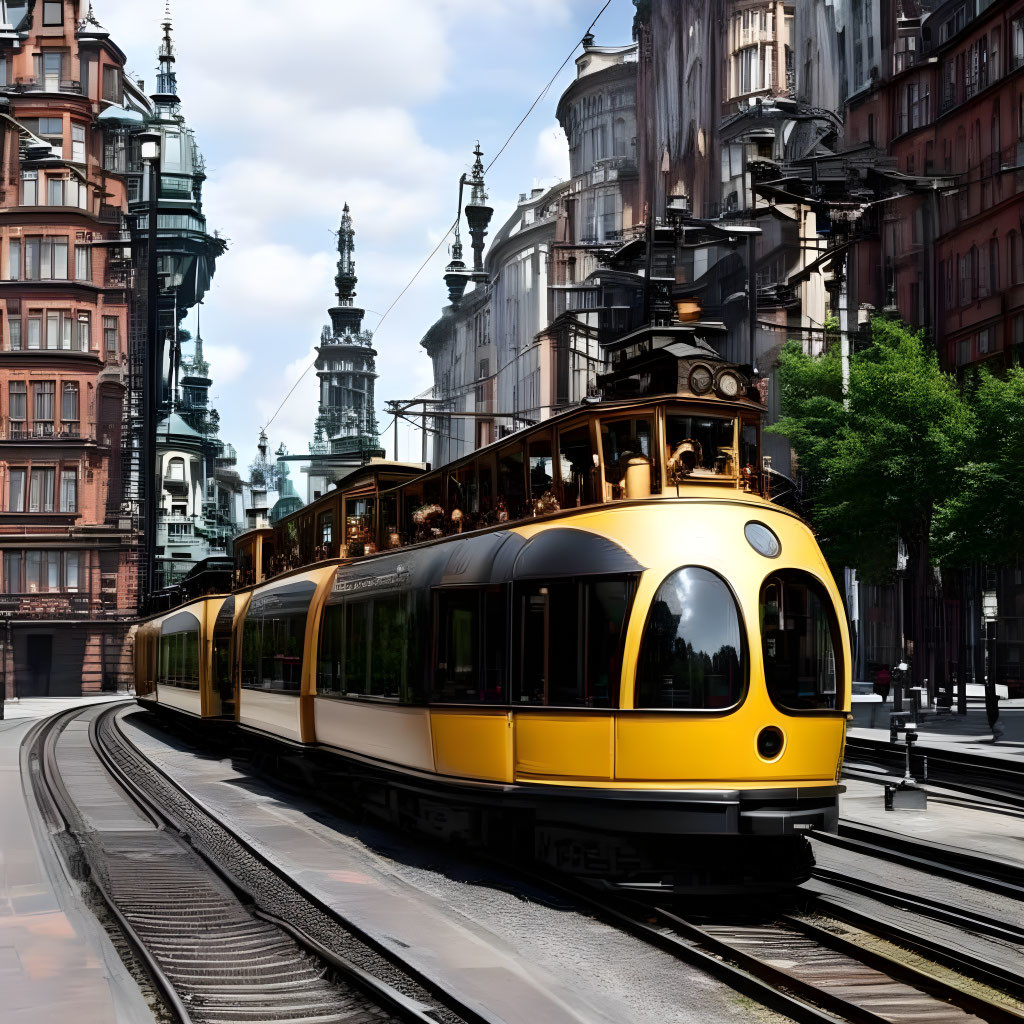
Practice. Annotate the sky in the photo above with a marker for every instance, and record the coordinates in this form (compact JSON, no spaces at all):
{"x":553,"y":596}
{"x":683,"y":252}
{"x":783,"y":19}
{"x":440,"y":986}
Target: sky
{"x":300,"y":109}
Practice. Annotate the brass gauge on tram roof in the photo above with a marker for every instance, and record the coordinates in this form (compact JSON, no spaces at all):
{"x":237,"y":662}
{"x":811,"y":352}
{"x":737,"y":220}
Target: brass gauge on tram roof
{"x":728,"y":384}
{"x":701,"y":379}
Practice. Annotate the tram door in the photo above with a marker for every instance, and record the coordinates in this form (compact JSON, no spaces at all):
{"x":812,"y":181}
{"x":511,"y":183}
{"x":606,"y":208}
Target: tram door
{"x":222,"y":684}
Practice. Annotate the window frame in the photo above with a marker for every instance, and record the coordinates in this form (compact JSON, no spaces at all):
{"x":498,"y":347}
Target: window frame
{"x":838,"y":651}
{"x":745,"y":653}
{"x":48,"y":6}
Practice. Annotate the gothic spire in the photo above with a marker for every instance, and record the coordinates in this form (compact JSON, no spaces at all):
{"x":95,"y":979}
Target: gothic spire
{"x":167,"y":78}
{"x":346,"y":279}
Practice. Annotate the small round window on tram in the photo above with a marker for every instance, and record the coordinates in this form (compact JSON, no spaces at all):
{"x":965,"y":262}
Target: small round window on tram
{"x":762,"y":540}
{"x":727,"y":385}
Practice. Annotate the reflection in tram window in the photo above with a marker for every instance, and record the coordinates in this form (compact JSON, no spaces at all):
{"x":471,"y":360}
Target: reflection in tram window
{"x":390,"y":531}
{"x":273,"y":639}
{"x":699,"y":446}
{"x":630,"y":469}
{"x":570,"y":641}
{"x":799,"y":637}
{"x":578,"y":466}
{"x":360,"y":526}
{"x":750,"y":457}
{"x":542,"y":475}
{"x":692,"y":655}
{"x":179,"y":660}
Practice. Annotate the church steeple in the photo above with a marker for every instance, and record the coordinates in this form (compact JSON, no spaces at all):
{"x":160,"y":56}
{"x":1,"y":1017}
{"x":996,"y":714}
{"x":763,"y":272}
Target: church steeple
{"x":345,"y":317}
{"x":167,"y":78}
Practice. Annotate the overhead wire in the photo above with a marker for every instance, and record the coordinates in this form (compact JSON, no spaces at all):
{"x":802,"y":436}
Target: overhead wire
{"x":423,"y":266}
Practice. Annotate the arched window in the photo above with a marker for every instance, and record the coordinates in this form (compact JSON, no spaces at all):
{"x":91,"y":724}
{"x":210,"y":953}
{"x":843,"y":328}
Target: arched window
{"x":176,"y":469}
{"x":693,"y":654}
{"x":1015,"y":258}
{"x":619,"y":137}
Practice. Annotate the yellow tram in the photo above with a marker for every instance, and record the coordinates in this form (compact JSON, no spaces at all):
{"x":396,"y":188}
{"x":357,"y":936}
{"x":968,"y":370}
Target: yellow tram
{"x":597,"y":637}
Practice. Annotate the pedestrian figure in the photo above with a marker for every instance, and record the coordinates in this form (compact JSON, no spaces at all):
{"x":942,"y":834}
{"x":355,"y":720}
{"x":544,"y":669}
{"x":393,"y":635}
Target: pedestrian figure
{"x":883,"y":681}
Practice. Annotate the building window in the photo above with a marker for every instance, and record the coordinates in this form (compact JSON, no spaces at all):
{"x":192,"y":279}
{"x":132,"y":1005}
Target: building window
{"x":963,"y":352}
{"x":1015,"y":257}
{"x":78,"y":143}
{"x":966,"y":278}
{"x":112,"y":84}
{"x":43,"y":393}
{"x":993,"y":266}
{"x":84,"y":332}
{"x":46,"y":258}
{"x":35,"y":329}
{"x":17,"y":404}
{"x":985,"y":341}
{"x":40,"y":490}
{"x":14,"y":260}
{"x":29,"y":188}
{"x":73,"y":574}
{"x":14,"y":330}
{"x":83,"y":263}
{"x":53,"y":12}
{"x":1017,"y":30}
{"x":110,"y":333}
{"x":69,"y":490}
{"x":12,"y":572}
{"x":69,"y":403}
{"x":16,"y":497}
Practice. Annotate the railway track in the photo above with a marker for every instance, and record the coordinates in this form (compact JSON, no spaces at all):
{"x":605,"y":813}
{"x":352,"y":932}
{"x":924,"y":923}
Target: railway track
{"x":797,"y":966}
{"x":808,"y":972}
{"x":983,"y":777}
{"x":222,"y":936}
{"x":990,"y":873}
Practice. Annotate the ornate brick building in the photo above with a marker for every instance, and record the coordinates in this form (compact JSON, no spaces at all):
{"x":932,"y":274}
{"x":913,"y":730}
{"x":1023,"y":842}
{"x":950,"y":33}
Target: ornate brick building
{"x":67,"y":573}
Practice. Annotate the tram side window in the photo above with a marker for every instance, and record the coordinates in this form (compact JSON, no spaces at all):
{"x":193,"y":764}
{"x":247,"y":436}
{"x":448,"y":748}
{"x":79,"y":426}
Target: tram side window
{"x":542,"y":475}
{"x":699,"y":446}
{"x":630,"y":467}
{"x":578,"y":469}
{"x":693,"y":655}
{"x":179,"y":660}
{"x":570,"y":636}
{"x":389,"y":530}
{"x":799,"y":638}
{"x":371,"y":648}
{"x":471,"y":641}
{"x":222,"y":651}
{"x":511,"y":486}
{"x":273,"y":639}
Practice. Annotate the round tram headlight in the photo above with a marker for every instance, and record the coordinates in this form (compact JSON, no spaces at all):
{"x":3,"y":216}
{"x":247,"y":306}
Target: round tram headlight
{"x":762,"y":539}
{"x":770,"y":743}
{"x":728,"y":384}
{"x":701,"y":379}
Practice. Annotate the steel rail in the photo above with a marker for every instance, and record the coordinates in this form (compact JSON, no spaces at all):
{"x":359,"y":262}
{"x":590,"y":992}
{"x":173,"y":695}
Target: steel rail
{"x":50,"y":782}
{"x":990,"y":873}
{"x":924,"y":906}
{"x":408,"y":1009}
{"x":1000,"y":978}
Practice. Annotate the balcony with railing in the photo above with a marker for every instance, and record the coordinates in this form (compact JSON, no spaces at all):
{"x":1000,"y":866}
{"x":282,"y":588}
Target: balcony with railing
{"x":46,"y":605}
{"x":23,"y":431}
{"x":46,"y":84}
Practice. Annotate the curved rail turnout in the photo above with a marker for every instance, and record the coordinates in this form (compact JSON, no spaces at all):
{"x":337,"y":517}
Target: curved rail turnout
{"x":214,"y":954}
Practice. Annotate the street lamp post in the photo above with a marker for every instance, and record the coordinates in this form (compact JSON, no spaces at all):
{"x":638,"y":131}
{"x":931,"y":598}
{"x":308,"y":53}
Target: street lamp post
{"x":152,"y":361}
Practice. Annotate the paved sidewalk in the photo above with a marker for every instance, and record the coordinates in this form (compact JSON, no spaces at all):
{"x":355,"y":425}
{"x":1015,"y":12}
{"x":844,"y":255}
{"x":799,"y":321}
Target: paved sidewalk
{"x":18,"y":710}
{"x":56,"y":961}
{"x":968,"y":732}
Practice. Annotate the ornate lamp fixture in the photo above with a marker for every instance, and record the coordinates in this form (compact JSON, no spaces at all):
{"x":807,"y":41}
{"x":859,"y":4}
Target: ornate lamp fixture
{"x":478,"y":215}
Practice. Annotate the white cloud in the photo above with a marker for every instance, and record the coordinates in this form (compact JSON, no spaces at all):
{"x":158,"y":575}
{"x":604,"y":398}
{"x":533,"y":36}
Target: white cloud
{"x":299,"y":109}
{"x":227,"y":362}
{"x":551,"y":157}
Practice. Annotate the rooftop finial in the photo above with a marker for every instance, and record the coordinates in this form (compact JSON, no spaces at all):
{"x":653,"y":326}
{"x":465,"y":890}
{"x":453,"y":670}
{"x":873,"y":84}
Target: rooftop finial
{"x":346,"y":278}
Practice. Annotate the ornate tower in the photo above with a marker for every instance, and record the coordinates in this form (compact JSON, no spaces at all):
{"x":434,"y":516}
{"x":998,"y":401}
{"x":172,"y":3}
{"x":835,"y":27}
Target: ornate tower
{"x":347,"y":419}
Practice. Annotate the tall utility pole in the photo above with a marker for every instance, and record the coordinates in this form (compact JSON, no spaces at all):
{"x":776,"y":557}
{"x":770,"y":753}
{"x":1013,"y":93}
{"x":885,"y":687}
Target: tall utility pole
{"x":153,"y":361}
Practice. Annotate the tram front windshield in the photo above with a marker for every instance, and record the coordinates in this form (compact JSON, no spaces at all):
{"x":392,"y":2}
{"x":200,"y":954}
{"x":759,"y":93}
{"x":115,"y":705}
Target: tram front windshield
{"x":700,"y":446}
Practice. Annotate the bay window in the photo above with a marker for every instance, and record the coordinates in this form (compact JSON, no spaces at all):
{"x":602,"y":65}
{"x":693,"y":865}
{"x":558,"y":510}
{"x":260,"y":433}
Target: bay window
{"x":29,"y":188}
{"x":14,"y":332}
{"x":14,"y":260}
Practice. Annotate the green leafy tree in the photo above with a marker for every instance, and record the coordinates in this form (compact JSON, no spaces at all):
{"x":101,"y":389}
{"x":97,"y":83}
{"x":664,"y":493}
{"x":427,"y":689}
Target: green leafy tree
{"x":879,"y":465}
{"x":981,"y":521}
